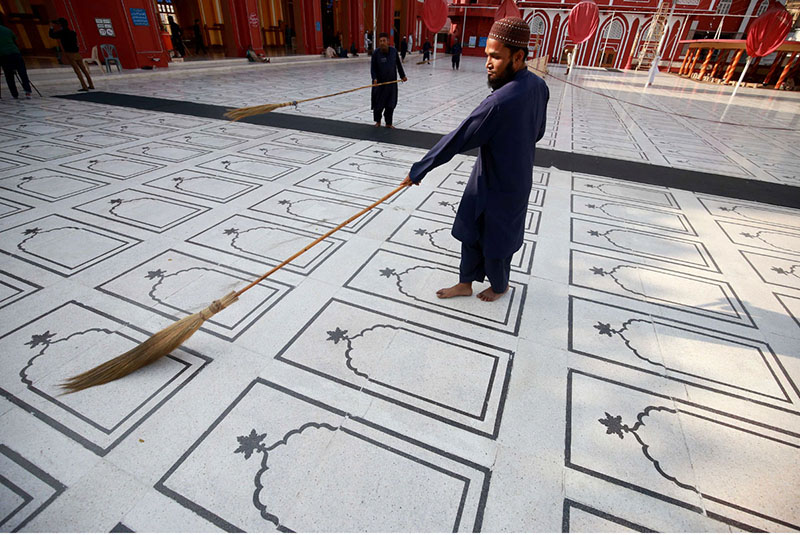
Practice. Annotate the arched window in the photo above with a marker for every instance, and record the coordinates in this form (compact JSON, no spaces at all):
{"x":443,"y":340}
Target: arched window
{"x":613,"y":30}
{"x":724,"y":7}
{"x":537,"y":26}
{"x":762,"y":8}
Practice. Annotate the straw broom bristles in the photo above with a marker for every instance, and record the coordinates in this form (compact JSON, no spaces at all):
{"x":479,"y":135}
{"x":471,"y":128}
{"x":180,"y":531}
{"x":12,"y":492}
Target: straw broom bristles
{"x":160,"y":344}
{"x":170,"y":338}
{"x":241,"y":113}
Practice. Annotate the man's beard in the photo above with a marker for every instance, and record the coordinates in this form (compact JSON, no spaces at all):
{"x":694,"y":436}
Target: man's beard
{"x":502,"y":78}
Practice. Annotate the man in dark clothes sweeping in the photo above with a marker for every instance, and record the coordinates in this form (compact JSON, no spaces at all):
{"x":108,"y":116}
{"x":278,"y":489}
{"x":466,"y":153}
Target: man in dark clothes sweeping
{"x":490,"y":221}
{"x":385,"y":66}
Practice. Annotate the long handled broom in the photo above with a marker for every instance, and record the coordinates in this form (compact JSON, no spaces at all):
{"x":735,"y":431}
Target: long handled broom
{"x":169,"y":338}
{"x":241,"y":113}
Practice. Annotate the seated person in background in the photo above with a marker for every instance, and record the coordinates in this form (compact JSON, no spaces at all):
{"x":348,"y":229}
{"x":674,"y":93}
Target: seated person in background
{"x":341,"y":51}
{"x":330,"y":52}
{"x":252,"y":56}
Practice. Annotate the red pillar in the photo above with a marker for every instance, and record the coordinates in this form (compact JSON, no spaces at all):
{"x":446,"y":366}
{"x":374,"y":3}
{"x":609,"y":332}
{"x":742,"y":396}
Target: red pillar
{"x":551,"y":46}
{"x":407,"y":21}
{"x":786,"y":70}
{"x":775,"y":66}
{"x":246,"y":26}
{"x":723,"y":55}
{"x":356,"y":23}
{"x":386,"y":18}
{"x":685,"y":61}
{"x":308,"y":19}
{"x":694,"y":62}
{"x":732,"y":68}
{"x":629,"y":49}
{"x":704,"y":68}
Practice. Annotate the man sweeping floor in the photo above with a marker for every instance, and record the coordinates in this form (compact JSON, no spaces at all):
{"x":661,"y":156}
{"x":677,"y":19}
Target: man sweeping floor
{"x":384,"y":68}
{"x":490,"y":221}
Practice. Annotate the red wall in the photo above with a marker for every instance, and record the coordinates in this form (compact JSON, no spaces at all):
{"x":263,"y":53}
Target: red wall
{"x":386,"y":18}
{"x":479,"y":22}
{"x":307,"y":14}
{"x":246,"y":31}
{"x":137,"y":46}
{"x":731,"y":24}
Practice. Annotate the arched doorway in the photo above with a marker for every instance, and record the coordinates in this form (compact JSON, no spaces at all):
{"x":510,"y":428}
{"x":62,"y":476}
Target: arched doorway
{"x":607,"y":57}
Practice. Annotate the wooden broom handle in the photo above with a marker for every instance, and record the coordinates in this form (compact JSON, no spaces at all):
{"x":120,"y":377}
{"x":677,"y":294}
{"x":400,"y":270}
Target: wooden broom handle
{"x":327,"y":234}
{"x":343,"y":92}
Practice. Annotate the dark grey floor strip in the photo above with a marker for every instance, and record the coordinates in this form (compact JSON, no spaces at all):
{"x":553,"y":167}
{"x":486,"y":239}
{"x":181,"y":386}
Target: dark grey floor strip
{"x":640,"y":172}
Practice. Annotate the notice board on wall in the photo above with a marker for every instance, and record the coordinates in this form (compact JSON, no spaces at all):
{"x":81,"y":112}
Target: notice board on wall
{"x":139,"y":17}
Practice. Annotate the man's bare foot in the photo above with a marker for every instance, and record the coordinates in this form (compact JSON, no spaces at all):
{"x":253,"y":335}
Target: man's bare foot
{"x":462,"y":288}
{"x":490,"y":295}
{"x":377,"y":124}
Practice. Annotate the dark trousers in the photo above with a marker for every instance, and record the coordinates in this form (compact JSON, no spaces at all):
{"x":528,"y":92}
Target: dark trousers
{"x":80,"y":69}
{"x":13,"y":63}
{"x":456,"y":61}
{"x":387,"y":113}
{"x":199,"y":45}
{"x":426,"y":56}
{"x":475,"y":267}
{"x":177,"y":46}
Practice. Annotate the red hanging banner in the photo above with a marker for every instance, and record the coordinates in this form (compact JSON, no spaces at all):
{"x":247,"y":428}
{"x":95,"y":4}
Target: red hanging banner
{"x":507,"y":9}
{"x":583,"y":21}
{"x":434,"y":14}
{"x":768,"y":31}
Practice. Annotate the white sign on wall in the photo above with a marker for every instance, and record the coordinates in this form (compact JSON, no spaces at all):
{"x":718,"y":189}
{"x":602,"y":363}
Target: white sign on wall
{"x":104,"y":27}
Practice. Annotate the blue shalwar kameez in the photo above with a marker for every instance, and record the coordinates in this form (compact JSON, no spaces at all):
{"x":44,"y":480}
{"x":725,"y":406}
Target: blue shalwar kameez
{"x":384,"y":68}
{"x":490,"y":222}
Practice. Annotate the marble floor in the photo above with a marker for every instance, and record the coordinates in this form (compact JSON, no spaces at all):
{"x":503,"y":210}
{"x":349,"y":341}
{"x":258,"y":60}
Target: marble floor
{"x":756,"y":135}
{"x":642,"y":373}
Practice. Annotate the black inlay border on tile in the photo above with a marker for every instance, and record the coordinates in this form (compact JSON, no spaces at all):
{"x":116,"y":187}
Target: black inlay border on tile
{"x":640,"y":172}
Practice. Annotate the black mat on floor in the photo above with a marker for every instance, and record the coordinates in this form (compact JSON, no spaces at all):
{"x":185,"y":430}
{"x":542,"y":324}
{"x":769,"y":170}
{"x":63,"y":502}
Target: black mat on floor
{"x":612,"y":70}
{"x":644,"y":173}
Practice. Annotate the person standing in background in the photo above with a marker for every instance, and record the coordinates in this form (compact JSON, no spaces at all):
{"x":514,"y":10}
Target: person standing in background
{"x":11,"y":61}
{"x":198,"y":38}
{"x":287,"y":35}
{"x":385,"y":66}
{"x":455,"y":50}
{"x":426,"y":51}
{"x":410,"y":44}
{"x":177,"y":37}
{"x":403,"y":48}
{"x":69,"y":50}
